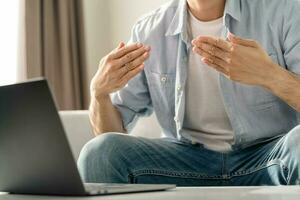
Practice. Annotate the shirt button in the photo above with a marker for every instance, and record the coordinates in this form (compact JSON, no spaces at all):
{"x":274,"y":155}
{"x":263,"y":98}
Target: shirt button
{"x":163,"y":79}
{"x":176,"y":119}
{"x":178,"y":88}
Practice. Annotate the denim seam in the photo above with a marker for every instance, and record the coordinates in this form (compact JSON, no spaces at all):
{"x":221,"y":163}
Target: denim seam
{"x":192,"y":175}
{"x":289,"y":177}
{"x":261,"y":167}
{"x":174,"y":174}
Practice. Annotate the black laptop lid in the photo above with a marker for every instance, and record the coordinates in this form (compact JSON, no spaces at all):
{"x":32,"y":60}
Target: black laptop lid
{"x":35,"y":157}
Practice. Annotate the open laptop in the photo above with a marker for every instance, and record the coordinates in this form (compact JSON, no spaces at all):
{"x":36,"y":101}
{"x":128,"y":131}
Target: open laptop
{"x":35,"y":156}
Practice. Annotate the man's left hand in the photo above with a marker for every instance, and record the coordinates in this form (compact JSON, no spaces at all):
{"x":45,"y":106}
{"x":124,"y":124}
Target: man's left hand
{"x":240,"y":60}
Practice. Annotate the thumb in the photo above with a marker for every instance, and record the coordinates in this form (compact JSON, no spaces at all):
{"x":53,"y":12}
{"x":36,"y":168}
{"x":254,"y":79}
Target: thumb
{"x":244,"y":42}
{"x":121,"y":45}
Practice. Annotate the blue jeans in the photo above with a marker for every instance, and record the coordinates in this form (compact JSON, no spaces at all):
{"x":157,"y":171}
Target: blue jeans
{"x":116,"y":158}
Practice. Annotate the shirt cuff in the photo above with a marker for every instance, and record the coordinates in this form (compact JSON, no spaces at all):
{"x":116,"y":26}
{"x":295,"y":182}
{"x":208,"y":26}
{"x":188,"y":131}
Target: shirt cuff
{"x":129,"y":117}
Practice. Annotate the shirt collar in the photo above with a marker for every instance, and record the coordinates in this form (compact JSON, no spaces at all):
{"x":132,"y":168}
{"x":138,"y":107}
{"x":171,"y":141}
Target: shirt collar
{"x":233,"y":8}
{"x":179,"y":22}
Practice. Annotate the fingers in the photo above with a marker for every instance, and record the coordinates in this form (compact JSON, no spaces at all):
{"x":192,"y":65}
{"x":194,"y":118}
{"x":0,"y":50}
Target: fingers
{"x":202,"y":53}
{"x":213,"y":41}
{"x":219,"y":64}
{"x":245,"y":42}
{"x":130,"y":74}
{"x":110,"y":77}
{"x":121,"y":45}
{"x":138,"y":61}
{"x":132,"y":65}
{"x":140,"y":54}
{"x":207,"y":50}
{"x":136,"y":55}
{"x":216,"y":64}
{"x":118,"y":53}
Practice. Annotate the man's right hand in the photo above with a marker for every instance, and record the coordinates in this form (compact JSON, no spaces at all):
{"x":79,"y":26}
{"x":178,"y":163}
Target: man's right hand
{"x":118,"y":68}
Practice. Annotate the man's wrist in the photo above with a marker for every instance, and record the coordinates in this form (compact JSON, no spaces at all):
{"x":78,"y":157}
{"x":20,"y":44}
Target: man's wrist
{"x":99,"y":96}
{"x":275,"y":77}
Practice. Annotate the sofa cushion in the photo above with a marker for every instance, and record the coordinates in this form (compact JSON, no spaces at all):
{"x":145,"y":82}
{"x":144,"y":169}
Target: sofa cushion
{"x":79,"y":130}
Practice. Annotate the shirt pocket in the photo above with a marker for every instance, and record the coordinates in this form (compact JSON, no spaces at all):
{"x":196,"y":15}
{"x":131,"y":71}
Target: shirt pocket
{"x":162,"y":86}
{"x":258,"y":97}
{"x":162,"y":91}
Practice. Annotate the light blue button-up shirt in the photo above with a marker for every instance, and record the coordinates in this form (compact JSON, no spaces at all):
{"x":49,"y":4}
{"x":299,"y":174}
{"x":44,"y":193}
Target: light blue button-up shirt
{"x":255,"y":113}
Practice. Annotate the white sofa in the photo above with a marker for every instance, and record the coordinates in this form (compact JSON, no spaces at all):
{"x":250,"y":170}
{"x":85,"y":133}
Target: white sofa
{"x":79,"y":131}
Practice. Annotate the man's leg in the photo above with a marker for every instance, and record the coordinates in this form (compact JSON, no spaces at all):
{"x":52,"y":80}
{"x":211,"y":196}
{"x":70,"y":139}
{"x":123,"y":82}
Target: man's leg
{"x":273,"y":163}
{"x":116,"y":158}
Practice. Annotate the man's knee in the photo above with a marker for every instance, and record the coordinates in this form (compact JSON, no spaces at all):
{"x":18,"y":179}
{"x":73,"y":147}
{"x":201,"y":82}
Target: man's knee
{"x":291,"y":148}
{"x":292,"y":139}
{"x":101,"y":158}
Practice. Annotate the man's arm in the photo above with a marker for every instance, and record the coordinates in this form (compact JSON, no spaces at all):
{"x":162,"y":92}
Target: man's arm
{"x":104,"y":116}
{"x":115,"y":71}
{"x":285,"y":85}
{"x":245,"y":61}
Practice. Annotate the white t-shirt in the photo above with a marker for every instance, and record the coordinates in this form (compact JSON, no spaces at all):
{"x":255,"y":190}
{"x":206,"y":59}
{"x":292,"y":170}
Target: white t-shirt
{"x":206,"y":121}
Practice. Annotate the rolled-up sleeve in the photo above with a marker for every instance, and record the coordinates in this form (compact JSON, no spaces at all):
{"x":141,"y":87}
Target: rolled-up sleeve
{"x":133,"y":101}
{"x":291,"y":38}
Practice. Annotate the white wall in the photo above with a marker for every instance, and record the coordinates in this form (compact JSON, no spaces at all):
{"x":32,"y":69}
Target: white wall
{"x":96,"y":33}
{"x":124,"y":13}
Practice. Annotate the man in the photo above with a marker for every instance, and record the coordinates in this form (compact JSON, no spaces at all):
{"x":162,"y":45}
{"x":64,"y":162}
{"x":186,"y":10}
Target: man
{"x":228,"y":106}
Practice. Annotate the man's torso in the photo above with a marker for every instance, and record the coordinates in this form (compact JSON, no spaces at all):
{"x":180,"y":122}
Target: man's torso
{"x":255,"y":113}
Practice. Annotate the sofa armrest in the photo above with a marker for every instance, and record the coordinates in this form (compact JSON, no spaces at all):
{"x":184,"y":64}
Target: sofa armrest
{"x":79,"y":131}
